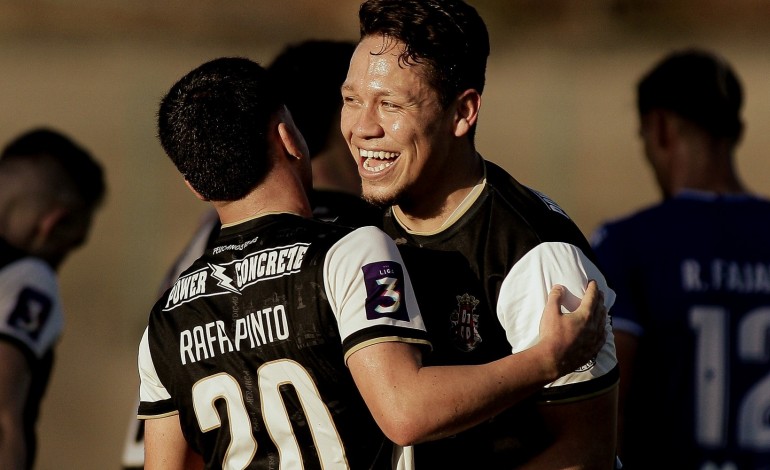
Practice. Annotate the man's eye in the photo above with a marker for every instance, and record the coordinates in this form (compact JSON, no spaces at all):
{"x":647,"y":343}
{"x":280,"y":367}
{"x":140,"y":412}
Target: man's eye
{"x":389,"y":105}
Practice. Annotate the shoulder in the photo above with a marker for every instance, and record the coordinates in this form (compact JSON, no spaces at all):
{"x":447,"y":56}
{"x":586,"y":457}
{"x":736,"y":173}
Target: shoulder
{"x":521,"y":198}
{"x":30,"y":307}
{"x":536,"y":216}
{"x":365,"y":241}
{"x":28,"y":271}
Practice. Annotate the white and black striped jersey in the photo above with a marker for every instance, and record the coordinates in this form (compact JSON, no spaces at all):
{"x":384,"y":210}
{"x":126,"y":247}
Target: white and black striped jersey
{"x":249,"y":344}
{"x":31,"y":319}
{"x":482,"y":283}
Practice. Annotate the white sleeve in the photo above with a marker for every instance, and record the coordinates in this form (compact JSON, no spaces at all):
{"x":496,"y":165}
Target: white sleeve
{"x":367,"y":284}
{"x":524,"y":293}
{"x":150,"y":388}
{"x":30,"y":306}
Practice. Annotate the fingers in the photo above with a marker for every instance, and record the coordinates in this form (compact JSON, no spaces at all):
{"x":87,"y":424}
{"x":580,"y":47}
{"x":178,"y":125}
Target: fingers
{"x":557,"y":291}
{"x":593,"y":303}
{"x":592,"y":290}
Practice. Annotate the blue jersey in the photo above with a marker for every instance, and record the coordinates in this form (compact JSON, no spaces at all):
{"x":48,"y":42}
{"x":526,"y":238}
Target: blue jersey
{"x":692,"y":278}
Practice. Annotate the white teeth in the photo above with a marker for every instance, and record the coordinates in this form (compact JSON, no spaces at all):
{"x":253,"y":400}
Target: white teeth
{"x":380,"y":155}
{"x":385,"y":159}
{"x":377,"y":168}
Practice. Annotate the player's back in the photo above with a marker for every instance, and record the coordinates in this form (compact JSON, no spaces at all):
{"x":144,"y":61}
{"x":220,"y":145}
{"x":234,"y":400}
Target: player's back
{"x":254,"y":357}
{"x":692,"y":276}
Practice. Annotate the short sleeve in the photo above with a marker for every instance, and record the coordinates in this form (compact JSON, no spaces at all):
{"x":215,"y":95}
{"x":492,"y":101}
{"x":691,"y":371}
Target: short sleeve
{"x":30,"y":308}
{"x":371,"y":292}
{"x":154,"y":399}
{"x":524,"y":294}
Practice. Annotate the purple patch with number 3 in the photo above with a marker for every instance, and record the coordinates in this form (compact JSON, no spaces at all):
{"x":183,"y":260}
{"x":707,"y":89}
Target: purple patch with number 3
{"x":385,"y":291}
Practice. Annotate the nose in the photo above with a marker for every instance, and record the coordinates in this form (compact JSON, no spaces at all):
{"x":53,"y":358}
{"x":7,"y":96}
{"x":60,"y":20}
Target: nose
{"x":367,"y":123}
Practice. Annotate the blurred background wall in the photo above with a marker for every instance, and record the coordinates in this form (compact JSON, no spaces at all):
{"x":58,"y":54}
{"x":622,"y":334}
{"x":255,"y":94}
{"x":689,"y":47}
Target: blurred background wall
{"x":558,"y":113}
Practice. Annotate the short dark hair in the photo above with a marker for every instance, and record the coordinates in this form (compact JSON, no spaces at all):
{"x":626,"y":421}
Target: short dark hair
{"x":698,"y":85}
{"x":447,"y":36}
{"x":85,"y":174}
{"x":214,"y":125}
{"x":309,"y":75}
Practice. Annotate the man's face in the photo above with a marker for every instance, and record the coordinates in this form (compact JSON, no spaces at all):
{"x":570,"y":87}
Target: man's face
{"x":394,"y":124}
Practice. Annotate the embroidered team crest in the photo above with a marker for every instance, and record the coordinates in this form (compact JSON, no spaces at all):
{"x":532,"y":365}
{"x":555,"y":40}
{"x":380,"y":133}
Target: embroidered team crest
{"x":464,"y":321}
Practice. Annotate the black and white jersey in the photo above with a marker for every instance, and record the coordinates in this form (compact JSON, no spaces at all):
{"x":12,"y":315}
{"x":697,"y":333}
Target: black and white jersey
{"x":692,"y":275}
{"x":482,"y":283}
{"x":31,"y":319}
{"x":330,"y":206}
{"x":249,"y":344}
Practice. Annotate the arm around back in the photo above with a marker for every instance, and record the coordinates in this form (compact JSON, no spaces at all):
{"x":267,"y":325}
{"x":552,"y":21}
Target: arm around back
{"x":412,"y":403}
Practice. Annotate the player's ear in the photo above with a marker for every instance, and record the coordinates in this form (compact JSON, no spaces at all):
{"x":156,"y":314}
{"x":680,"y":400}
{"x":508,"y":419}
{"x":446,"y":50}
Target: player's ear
{"x":291,"y":138}
{"x":467,"y":107}
{"x":197,"y":194}
{"x":660,"y":127}
{"x":48,"y":221}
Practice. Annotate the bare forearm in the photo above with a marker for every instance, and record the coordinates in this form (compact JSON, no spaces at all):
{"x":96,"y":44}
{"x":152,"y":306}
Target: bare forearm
{"x":412,"y":403}
{"x":433,"y":402}
{"x":166,"y":448}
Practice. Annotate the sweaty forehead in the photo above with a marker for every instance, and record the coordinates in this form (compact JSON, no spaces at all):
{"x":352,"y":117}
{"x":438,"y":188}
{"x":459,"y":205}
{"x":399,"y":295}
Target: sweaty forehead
{"x":376,"y":66}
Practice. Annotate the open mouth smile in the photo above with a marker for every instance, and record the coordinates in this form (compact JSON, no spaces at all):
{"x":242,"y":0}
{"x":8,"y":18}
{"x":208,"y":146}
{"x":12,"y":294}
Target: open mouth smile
{"x":377,"y":161}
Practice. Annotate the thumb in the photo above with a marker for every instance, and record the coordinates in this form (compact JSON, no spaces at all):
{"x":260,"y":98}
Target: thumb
{"x":553,"y":304}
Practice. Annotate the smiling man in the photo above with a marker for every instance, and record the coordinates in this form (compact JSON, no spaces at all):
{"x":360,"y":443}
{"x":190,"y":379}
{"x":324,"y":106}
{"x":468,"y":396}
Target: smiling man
{"x":483,"y":250}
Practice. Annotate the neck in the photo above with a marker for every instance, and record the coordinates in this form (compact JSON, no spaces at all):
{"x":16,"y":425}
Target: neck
{"x":706,"y":167}
{"x":429,"y":211}
{"x":273,"y":196}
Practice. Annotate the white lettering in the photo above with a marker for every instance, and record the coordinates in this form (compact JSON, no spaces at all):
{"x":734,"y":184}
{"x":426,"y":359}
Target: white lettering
{"x":260,"y":327}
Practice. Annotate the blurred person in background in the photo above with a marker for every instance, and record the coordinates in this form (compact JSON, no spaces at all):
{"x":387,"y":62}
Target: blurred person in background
{"x":692,"y":277}
{"x":50,"y":190}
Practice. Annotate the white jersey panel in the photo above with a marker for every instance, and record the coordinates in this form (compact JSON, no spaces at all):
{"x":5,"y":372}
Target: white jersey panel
{"x":346,"y":282}
{"x":150,"y":388}
{"x":524,"y":294}
{"x":30,"y":307}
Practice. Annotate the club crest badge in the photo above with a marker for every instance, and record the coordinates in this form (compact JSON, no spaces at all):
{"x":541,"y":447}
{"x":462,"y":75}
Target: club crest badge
{"x":464,"y":323}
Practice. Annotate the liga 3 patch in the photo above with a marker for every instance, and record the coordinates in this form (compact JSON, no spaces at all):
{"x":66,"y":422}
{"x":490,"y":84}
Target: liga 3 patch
{"x":31,"y":313}
{"x":384,"y":282}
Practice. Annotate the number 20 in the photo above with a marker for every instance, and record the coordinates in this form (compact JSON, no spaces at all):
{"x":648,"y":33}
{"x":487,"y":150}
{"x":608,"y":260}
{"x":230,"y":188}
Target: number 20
{"x":270,"y":377}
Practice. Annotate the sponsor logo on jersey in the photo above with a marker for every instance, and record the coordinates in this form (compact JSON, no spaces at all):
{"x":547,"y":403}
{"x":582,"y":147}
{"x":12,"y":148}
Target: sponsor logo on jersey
{"x":235,"y":276}
{"x":464,"y":323}
{"x":239,"y":247}
{"x":384,"y":282}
